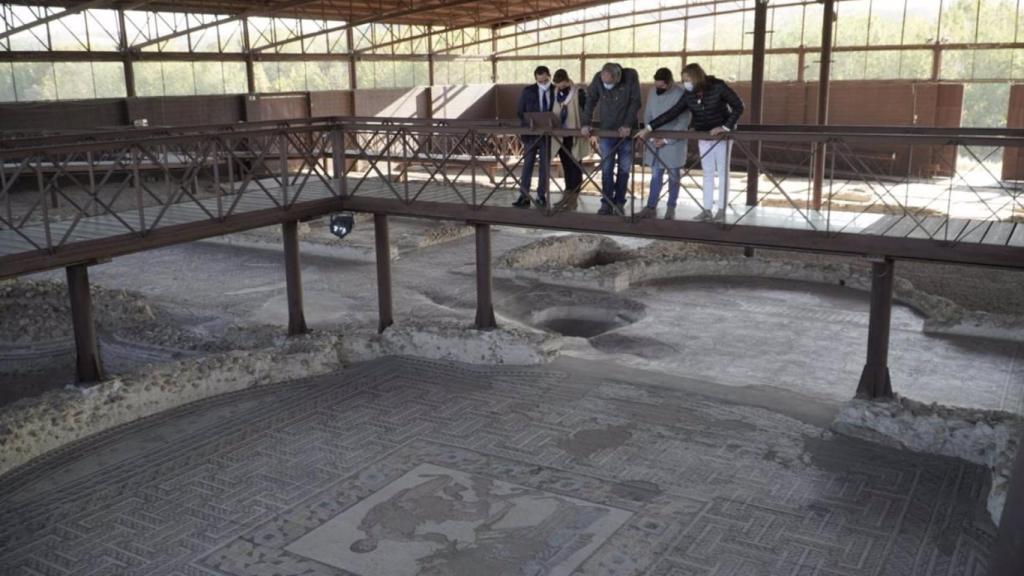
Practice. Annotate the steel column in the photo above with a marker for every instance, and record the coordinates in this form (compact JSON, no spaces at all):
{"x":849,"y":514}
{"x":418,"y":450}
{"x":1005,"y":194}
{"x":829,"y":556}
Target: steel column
{"x":874,"y":380}
{"x":383,"y":246}
{"x":126,"y":56}
{"x":250,"y":67}
{"x":88,"y":366}
{"x":484,"y":306}
{"x":494,"y":60}
{"x":756,"y":100}
{"x":293,"y":277}
{"x":757,"y":92}
{"x":827,"y":26}
{"x":350,"y":39}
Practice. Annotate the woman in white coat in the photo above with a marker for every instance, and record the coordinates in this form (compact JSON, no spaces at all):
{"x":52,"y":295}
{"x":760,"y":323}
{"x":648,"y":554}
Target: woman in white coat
{"x":665,"y":156}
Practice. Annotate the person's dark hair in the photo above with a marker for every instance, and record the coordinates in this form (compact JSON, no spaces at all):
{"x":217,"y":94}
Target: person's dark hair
{"x":700,"y":78}
{"x":664,"y":75}
{"x":560,"y":76}
{"x":541,"y":70}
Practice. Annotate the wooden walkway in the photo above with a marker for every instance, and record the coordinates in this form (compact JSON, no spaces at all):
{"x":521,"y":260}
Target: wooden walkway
{"x":463,"y":200}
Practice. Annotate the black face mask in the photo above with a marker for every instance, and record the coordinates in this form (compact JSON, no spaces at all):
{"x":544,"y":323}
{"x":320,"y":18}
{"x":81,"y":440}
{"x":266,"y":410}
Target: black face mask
{"x":661,"y":91}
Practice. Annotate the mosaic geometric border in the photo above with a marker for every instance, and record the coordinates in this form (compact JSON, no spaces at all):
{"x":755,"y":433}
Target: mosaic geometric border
{"x":222,"y":487}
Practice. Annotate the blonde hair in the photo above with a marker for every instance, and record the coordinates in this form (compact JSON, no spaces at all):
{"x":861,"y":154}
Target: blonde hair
{"x":697,"y":74}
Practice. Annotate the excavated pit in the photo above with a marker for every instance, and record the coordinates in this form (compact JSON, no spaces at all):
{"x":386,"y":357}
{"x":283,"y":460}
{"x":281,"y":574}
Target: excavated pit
{"x":574,"y":313}
{"x":581,"y":321}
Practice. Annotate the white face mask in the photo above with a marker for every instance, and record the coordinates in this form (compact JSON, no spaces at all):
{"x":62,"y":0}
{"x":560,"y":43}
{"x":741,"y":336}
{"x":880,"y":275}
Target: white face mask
{"x":688,"y":86}
{"x":545,"y":85}
{"x":608,"y":86}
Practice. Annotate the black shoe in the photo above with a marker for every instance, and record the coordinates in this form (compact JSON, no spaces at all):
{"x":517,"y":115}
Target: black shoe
{"x":541,"y":203}
{"x":605,"y":210}
{"x":522,"y":202}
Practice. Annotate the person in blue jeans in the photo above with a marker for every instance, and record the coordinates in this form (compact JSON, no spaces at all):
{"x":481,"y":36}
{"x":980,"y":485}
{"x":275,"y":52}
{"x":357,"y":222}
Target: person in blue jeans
{"x":665,"y":156}
{"x":617,"y":90}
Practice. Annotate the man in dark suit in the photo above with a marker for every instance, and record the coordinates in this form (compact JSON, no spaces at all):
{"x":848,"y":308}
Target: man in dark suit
{"x":537,"y":97}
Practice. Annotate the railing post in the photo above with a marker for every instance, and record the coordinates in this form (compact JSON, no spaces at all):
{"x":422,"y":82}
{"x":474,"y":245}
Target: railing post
{"x":382,"y":243}
{"x":137,"y":184}
{"x":42,"y":201}
{"x":472,"y":161}
{"x":216,"y":180}
{"x":338,"y":159}
{"x":88,"y":366}
{"x":6,"y":192}
{"x":874,"y":380}
{"x":484,"y":304}
{"x":293,"y":277}
{"x":284,"y":168}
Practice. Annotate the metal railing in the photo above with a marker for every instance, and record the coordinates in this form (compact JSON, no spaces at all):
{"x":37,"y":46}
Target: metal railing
{"x":56,"y":190}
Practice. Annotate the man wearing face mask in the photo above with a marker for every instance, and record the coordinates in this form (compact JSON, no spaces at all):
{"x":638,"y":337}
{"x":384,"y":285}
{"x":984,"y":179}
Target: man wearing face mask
{"x":665,"y":156}
{"x":617,"y":90}
{"x":537,"y":97}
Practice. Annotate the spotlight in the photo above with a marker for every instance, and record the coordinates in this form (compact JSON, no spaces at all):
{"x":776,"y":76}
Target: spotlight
{"x":342,"y":223}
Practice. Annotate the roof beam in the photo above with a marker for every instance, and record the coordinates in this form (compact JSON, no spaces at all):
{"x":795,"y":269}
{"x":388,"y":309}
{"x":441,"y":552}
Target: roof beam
{"x":272,"y":9}
{"x":55,"y":16}
{"x":675,"y":19}
{"x":488,"y":23}
{"x":370,"y":20}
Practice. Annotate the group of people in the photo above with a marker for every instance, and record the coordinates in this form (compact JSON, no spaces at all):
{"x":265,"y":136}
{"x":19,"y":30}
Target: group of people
{"x":702,"y":103}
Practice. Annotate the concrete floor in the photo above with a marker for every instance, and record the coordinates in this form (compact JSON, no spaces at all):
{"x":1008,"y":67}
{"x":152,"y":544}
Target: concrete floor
{"x":403,"y":466}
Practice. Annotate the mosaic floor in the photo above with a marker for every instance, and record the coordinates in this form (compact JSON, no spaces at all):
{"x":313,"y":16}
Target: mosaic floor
{"x":404,"y":466}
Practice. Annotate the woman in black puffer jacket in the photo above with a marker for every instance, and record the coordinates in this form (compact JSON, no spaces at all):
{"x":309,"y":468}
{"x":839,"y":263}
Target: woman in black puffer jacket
{"x":714,"y":108}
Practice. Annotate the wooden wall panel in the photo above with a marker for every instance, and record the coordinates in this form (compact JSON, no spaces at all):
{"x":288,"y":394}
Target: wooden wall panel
{"x":36,"y":117}
{"x":397,"y":102}
{"x":331,"y":103}
{"x":1013,"y":158}
{"x":187,"y":110}
{"x":473,"y":102}
{"x":506,"y":98}
{"x":261,"y":107}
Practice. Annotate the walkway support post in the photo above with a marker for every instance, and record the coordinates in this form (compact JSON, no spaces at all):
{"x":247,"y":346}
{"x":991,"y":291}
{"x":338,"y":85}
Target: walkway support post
{"x":293,"y":278}
{"x":88,"y":367}
{"x":756,"y":101}
{"x":484,"y":304}
{"x":383,"y":248}
{"x":874,"y":380}
{"x":827,"y":26}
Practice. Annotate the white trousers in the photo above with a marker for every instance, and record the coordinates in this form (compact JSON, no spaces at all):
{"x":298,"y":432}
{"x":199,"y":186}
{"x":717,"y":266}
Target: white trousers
{"x":714,"y":159}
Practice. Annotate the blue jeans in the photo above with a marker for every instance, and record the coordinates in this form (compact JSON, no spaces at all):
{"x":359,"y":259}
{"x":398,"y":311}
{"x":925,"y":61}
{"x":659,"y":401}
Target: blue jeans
{"x":657,"y":171}
{"x":539,"y":148}
{"x":612,"y":187}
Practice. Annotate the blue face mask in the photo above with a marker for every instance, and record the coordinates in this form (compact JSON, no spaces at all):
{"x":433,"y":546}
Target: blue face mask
{"x":608,"y":86}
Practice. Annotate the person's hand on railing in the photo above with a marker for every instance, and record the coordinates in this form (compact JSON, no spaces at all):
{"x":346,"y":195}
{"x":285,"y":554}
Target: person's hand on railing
{"x":624,"y":131}
{"x":718,"y":131}
{"x":585,"y":131}
{"x":642,"y":133}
